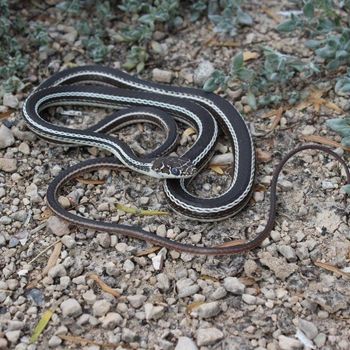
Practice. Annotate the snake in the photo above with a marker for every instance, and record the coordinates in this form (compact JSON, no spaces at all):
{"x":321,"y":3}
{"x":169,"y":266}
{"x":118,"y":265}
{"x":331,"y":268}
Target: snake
{"x":139,"y":100}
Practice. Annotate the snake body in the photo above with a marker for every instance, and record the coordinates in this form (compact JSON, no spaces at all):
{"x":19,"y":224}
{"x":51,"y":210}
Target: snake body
{"x":206,"y":112}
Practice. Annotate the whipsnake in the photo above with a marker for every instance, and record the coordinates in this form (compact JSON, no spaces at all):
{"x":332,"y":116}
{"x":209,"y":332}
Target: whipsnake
{"x":204,"y":111}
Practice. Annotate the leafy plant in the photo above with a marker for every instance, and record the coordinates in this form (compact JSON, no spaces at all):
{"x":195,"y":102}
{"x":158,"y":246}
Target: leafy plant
{"x":136,"y":58}
{"x":342,"y":127}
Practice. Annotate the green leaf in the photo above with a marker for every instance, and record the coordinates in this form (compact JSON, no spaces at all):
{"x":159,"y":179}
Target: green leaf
{"x":287,"y":26}
{"x":210,"y":85}
{"x":346,"y":141}
{"x":309,"y":10}
{"x":325,"y":52}
{"x":251,"y":100}
{"x":345,"y":189}
{"x":244,"y":18}
{"x":238,"y":61}
{"x":313,"y":44}
{"x":245,"y":74}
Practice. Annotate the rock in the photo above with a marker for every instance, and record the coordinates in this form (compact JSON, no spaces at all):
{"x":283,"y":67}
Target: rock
{"x":288,"y":252}
{"x":203,"y":72}
{"x":6,"y":137}
{"x":101,"y":307}
{"x":185,"y":343}
{"x":137,"y":300}
{"x":163,"y":282}
{"x":128,"y":335}
{"x":10,"y":100}
{"x":3,"y":344}
{"x":57,"y":271}
{"x":89,"y":297}
{"x":233,"y":285}
{"x":308,"y":328}
{"x":32,"y":192}
{"x":308,"y":130}
{"x":24,"y":148}
{"x":330,"y":301}
{"x":208,"y":310}
{"x":128,"y":266}
{"x":319,"y":340}
{"x":14,"y":325}
{"x":68,"y":241}
{"x":13,"y":336}
{"x":104,"y":239}
{"x":162,"y":76}
{"x":286,"y":343}
{"x":186,"y":288}
{"x":161,"y":230}
{"x":279,"y":267}
{"x":9,"y":165}
{"x":249,"y":299}
{"x":54,"y":341}
{"x":70,"y":308}
{"x":111,"y":320}
{"x":219,"y":293}
{"x":153,"y":312}
{"x":57,"y":226}
{"x":208,"y":336}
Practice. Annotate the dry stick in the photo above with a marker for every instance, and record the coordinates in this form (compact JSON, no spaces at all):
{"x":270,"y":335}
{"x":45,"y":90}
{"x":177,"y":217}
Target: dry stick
{"x":44,"y":251}
{"x":53,"y":257}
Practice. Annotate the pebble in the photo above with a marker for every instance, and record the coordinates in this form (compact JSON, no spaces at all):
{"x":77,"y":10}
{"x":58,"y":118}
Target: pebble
{"x":128,"y":266}
{"x":219,"y":293}
{"x":68,"y":241}
{"x":104,"y":239}
{"x":128,"y":335}
{"x":161,"y":230}
{"x":163,"y":282}
{"x":3,"y":344}
{"x":13,"y":336}
{"x":234,"y":285}
{"x":249,"y":299}
{"x":9,"y":165}
{"x":57,"y":226}
{"x":331,"y":302}
{"x":308,"y":328}
{"x":279,"y":267}
{"x":203,"y":72}
{"x":308,"y":130}
{"x":185,"y":343}
{"x":64,"y":201}
{"x":70,"y":308}
{"x":208,"y":336}
{"x":24,"y":148}
{"x":162,"y":76}
{"x":320,"y":340}
{"x":186,"y":288}
{"x":6,"y":137}
{"x":54,"y":341}
{"x":287,"y":343}
{"x":89,"y":297}
{"x":14,"y":325}
{"x":137,"y":300}
{"x":158,"y":260}
{"x":101,"y":307}
{"x":288,"y":252}
{"x":57,"y":271}
{"x":208,"y":310}
{"x":153,"y":312}
{"x":111,"y":320}
{"x":10,"y":100}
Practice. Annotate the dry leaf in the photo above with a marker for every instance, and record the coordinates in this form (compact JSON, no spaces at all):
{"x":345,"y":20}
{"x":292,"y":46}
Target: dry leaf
{"x":263,"y":156}
{"x":324,"y":141}
{"x":84,"y":341}
{"x":193,"y":306}
{"x":277,"y":119}
{"x":225,"y":43}
{"x":259,"y":188}
{"x":5,"y":115}
{"x":44,"y":320}
{"x":188,"y":132}
{"x":140,"y":212}
{"x":46,"y":214}
{"x":208,"y":278}
{"x":91,"y":181}
{"x":332,"y":268}
{"x":273,"y":14}
{"x":103,"y":285}
{"x":247,"y":281}
{"x":231,"y":243}
{"x":249,"y":55}
{"x":148,"y":251}
{"x":53,"y":258}
{"x":217,"y":169}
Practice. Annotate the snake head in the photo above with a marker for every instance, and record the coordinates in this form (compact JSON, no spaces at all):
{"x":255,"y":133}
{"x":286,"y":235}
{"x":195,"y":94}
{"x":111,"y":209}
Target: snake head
{"x":173,"y":167}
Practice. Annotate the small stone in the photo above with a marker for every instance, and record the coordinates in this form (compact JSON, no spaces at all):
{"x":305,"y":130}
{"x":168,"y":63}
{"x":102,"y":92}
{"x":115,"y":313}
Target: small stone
{"x":9,"y":165}
{"x":280,"y":268}
{"x":24,"y":148}
{"x":162,"y":76}
{"x":70,"y":308}
{"x":70,"y":37}
{"x":258,"y":196}
{"x":111,"y":320}
{"x":208,"y":336}
{"x":3,"y":344}
{"x":233,"y":285}
{"x":10,"y":100}
{"x":186,"y":288}
{"x":101,"y":307}
{"x":331,"y":302}
{"x":249,"y":299}
{"x":319,"y":340}
{"x":128,"y":266}
{"x":208,"y":310}
{"x":161,"y":230}
{"x":54,"y":341}
{"x":89,"y":297}
{"x":288,"y":252}
{"x":308,"y":328}
{"x":153,"y":312}
{"x":158,"y":261}
{"x":308,"y":130}
{"x":203,"y":72}
{"x":57,"y":271}
{"x":144,"y":200}
{"x":104,"y":239}
{"x":6,"y":137}
{"x":64,"y":201}
{"x":185,"y":343}
{"x":287,"y":343}
{"x":129,"y":336}
{"x":163,"y":282}
{"x":137,"y":300}
{"x":15,"y":325}
{"x":68,"y":241}
{"x":57,"y":226}
{"x":13,"y":336}
{"x":219,"y":293}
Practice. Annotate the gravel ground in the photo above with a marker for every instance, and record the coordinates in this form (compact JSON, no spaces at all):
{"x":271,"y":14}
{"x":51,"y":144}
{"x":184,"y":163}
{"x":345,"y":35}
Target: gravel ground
{"x":274,"y":297}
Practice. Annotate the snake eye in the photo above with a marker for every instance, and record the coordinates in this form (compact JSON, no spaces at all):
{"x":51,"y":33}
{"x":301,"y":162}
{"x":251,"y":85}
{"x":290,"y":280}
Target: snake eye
{"x":175,"y":171}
